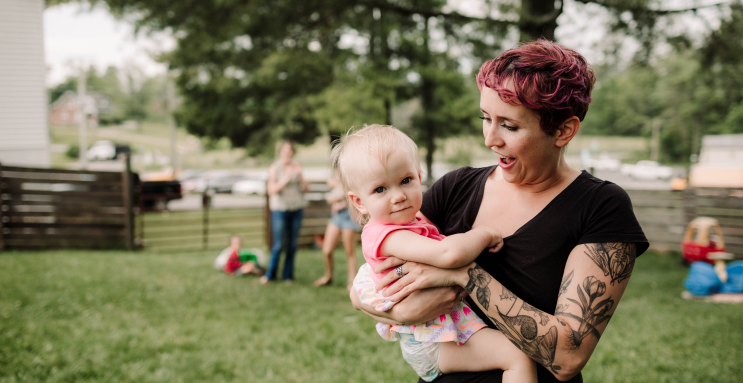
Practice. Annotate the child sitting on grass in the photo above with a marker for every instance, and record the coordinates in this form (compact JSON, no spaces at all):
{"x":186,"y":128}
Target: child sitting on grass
{"x":237,"y":261}
{"x":379,"y":170}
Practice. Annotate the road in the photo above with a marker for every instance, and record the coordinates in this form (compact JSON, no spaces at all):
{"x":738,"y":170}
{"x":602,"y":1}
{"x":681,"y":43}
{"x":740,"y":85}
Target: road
{"x":224,"y":201}
{"x":631,"y":184}
{"x":219,"y":201}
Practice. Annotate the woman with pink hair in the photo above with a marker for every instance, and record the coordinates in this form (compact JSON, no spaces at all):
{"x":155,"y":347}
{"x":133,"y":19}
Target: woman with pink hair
{"x":570,"y":239}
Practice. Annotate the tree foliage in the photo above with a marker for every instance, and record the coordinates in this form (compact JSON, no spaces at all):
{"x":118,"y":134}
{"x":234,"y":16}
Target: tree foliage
{"x":688,"y":92}
{"x":258,"y":70}
{"x":131,"y":94}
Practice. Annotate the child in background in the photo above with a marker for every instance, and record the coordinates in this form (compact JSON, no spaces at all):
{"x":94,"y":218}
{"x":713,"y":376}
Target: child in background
{"x":379,"y":170}
{"x":237,"y":261}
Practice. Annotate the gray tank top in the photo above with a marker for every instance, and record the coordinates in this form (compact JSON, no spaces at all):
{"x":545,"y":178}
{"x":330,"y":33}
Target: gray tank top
{"x":290,"y":197}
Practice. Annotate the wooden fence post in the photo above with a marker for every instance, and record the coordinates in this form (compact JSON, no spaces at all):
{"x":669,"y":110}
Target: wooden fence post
{"x":205,"y":202}
{"x":2,"y":230}
{"x":126,"y":190}
{"x":690,"y":208}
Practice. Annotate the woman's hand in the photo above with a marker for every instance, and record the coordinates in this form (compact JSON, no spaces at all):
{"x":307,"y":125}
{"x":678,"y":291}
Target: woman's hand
{"x":417,"y":276}
{"x":420,"y":307}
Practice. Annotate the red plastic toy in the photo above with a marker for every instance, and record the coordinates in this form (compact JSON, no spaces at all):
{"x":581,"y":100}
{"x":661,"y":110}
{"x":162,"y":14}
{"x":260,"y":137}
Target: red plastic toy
{"x":698,"y":242}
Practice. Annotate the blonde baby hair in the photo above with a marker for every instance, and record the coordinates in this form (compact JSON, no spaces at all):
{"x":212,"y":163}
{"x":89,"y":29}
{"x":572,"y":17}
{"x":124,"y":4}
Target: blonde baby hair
{"x":360,"y":145}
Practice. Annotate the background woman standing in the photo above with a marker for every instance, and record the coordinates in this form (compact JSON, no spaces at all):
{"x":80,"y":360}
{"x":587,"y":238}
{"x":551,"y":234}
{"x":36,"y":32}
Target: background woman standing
{"x":341,"y":225}
{"x":286,"y":188}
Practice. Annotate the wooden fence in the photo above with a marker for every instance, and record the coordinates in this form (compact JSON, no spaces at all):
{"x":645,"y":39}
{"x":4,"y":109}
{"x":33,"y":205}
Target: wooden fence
{"x":664,"y":214}
{"x":51,"y":208}
{"x":210,"y":229}
{"x":723,"y":204}
{"x":195,"y":230}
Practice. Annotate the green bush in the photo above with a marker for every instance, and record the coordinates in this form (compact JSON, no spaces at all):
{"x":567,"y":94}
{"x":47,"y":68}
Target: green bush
{"x":73,"y":151}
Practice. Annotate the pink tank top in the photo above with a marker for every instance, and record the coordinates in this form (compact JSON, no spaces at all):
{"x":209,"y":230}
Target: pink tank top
{"x":374,"y":235}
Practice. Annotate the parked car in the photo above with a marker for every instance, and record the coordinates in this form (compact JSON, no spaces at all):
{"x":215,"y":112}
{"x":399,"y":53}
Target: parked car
{"x":105,"y":150}
{"x":155,"y":195}
{"x":216,"y":182}
{"x":647,"y":170}
{"x":223,"y":183}
{"x":603,"y":162}
{"x":249,"y":186}
{"x":101,"y":151}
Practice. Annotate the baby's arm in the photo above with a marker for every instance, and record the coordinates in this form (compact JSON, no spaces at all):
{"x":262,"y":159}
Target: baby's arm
{"x":453,"y":251}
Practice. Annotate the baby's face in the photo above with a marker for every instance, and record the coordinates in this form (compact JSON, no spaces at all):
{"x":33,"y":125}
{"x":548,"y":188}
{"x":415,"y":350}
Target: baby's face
{"x":390,"y":194}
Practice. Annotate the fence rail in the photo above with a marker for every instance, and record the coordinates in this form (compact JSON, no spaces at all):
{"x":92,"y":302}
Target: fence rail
{"x":210,"y":229}
{"x":53,"y":208}
{"x":664,"y":215}
{"x":723,"y":204}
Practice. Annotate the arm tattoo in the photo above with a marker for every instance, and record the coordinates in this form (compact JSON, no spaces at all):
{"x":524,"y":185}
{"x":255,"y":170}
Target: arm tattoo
{"x":481,"y":279}
{"x":593,"y":311}
{"x":565,"y":283}
{"x":520,"y":329}
{"x":543,"y":318}
{"x":615,"y":259}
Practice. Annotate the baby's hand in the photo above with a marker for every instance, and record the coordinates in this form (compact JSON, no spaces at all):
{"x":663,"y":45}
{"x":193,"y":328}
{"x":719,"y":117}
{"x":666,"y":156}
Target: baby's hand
{"x":496,"y":240}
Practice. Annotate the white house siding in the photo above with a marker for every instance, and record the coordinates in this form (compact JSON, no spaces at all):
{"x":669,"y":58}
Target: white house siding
{"x":24,"y":132}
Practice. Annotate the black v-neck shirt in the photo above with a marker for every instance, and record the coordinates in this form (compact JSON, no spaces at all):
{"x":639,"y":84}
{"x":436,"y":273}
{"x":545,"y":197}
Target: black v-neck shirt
{"x":532,"y":260}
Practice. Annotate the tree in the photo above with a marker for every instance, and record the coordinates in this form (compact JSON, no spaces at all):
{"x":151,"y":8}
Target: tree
{"x":134,"y":98}
{"x":722,"y":63}
{"x":253,"y":71}
{"x":688,"y":92}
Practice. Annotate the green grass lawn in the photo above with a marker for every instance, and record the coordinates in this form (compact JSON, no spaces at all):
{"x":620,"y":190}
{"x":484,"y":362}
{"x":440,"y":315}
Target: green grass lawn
{"x":76,"y":316}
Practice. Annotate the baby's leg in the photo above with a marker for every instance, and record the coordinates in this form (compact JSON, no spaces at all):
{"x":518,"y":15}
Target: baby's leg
{"x":486,"y":350}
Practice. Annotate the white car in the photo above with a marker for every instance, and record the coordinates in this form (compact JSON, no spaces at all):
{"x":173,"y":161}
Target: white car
{"x":647,"y":170}
{"x":249,"y":186}
{"x":603,"y":162}
{"x":101,"y":151}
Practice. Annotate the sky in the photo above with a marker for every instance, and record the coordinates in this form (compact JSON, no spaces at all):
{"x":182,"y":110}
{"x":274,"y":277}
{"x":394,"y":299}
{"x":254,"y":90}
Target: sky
{"x":76,"y":36}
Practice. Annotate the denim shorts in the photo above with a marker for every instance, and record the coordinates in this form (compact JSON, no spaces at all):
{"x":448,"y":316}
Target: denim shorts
{"x":343,"y":220}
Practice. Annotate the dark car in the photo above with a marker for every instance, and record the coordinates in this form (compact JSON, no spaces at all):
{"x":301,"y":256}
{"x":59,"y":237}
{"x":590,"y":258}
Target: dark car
{"x":155,"y":195}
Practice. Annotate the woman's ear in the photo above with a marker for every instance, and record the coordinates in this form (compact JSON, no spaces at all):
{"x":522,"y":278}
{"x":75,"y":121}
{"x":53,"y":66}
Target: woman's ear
{"x":567,"y":131}
{"x":356,"y":201}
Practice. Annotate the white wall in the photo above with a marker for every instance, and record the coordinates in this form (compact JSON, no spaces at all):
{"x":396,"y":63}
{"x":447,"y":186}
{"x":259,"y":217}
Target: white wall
{"x":24,"y":131}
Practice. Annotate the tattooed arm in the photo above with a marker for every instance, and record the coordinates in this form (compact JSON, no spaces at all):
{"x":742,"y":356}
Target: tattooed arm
{"x":595,"y":278}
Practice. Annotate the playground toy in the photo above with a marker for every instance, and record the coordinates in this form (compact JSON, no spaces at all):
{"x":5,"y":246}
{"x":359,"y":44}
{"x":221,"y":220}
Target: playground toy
{"x":703,"y":236}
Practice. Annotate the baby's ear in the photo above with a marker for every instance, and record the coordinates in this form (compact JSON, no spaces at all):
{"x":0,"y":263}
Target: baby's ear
{"x":357,"y":203}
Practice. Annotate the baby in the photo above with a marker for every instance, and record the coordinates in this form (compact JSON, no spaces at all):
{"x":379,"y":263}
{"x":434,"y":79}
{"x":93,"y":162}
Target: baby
{"x":379,"y":170}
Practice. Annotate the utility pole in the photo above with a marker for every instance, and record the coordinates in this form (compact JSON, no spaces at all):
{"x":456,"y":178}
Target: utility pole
{"x":170,"y":101}
{"x":83,"y":158}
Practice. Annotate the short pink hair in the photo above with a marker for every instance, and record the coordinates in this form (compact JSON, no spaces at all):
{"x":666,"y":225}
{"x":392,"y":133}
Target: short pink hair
{"x":553,"y":81}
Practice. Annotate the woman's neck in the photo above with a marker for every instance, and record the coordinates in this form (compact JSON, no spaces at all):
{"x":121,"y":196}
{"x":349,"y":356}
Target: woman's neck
{"x":555,"y":177}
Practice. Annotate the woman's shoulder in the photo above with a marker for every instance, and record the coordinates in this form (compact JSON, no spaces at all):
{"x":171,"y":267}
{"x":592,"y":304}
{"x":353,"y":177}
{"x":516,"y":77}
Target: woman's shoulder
{"x":467,"y":172}
{"x":463,"y":176}
{"x":599,"y":189}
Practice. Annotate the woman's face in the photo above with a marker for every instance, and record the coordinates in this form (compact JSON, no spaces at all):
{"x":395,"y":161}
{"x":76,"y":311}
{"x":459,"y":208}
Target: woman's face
{"x":527,"y":155}
{"x":286,"y":153}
